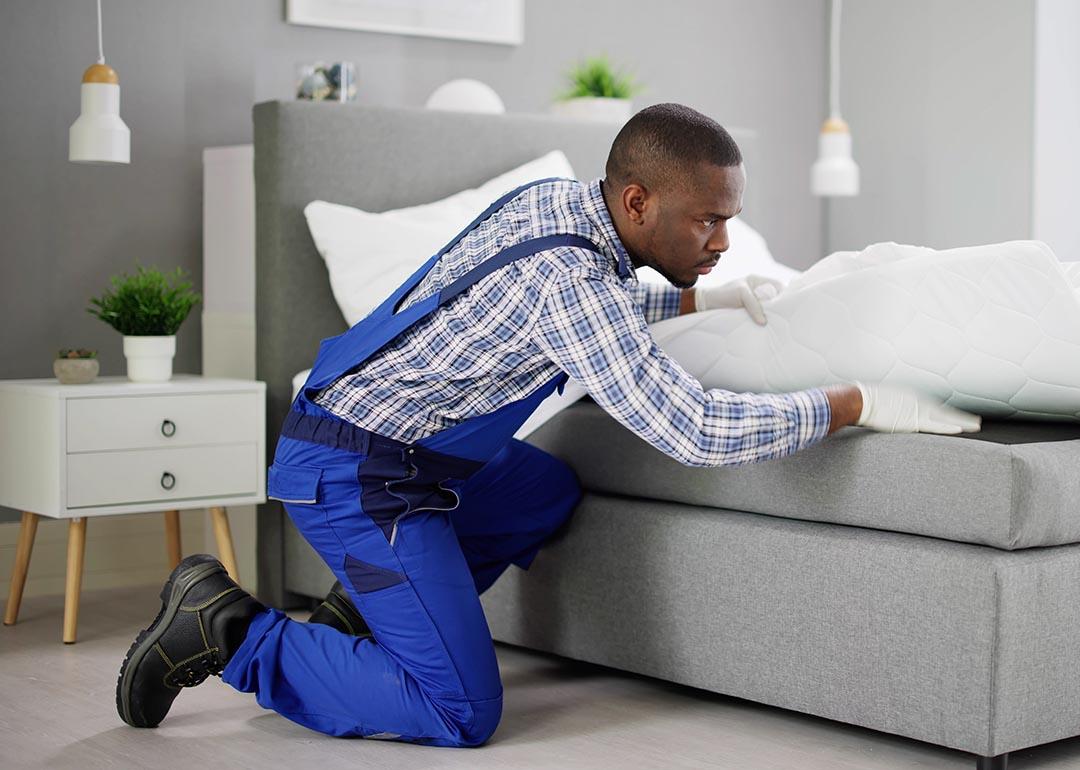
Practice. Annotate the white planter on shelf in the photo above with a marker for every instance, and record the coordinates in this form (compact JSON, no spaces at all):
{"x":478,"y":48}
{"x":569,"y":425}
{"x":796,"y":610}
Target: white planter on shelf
{"x":600,"y":108}
{"x":149,"y":359}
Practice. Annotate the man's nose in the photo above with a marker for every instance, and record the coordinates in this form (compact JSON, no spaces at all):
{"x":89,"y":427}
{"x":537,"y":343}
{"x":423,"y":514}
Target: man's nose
{"x":719,"y":241}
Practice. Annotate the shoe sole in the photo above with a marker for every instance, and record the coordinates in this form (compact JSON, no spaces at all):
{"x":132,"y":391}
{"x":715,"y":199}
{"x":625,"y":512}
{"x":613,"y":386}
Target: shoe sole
{"x":172,"y":594}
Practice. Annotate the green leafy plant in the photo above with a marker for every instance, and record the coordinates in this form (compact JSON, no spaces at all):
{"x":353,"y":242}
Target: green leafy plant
{"x":76,"y":353}
{"x":595,"y":77}
{"x":149,"y":303}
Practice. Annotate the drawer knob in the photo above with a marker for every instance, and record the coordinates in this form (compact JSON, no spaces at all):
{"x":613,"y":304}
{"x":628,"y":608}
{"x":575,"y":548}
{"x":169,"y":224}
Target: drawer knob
{"x":168,"y":428}
{"x":168,"y":481}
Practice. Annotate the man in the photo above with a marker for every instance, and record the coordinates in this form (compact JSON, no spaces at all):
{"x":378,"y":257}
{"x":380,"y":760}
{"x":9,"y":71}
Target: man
{"x":397,"y":461}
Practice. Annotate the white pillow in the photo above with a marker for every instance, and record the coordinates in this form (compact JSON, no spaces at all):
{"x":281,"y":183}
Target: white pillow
{"x":369,"y":255}
{"x":748,"y":254}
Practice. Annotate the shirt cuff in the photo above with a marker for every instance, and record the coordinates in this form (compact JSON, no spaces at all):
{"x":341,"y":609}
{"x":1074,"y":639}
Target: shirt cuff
{"x":814,"y":414}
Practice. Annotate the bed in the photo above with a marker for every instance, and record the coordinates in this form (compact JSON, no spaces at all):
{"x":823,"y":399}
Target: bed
{"x":926,"y":586}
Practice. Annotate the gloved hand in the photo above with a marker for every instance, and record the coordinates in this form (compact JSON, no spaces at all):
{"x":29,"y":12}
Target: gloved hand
{"x":743,"y":292}
{"x":898,"y":409}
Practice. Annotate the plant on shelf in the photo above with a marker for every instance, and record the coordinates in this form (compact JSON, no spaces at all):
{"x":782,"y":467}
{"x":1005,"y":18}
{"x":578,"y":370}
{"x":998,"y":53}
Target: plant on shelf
{"x":149,"y":303}
{"x":595,"y":77}
{"x":148,"y":309}
{"x":76,"y":353}
{"x":597,"y":91}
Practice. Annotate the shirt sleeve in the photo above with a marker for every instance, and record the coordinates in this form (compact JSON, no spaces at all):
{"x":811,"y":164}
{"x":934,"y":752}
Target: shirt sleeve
{"x":595,"y":332}
{"x":657,"y":301}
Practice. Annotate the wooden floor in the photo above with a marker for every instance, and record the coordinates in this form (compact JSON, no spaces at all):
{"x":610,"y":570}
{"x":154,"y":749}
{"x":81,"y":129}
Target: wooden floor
{"x":57,"y":710}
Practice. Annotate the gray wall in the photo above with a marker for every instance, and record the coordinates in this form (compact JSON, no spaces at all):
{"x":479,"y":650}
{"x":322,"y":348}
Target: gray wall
{"x":939,"y":97}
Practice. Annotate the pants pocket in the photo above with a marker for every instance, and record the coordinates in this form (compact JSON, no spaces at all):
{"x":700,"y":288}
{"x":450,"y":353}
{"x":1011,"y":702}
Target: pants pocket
{"x":294,"y":484}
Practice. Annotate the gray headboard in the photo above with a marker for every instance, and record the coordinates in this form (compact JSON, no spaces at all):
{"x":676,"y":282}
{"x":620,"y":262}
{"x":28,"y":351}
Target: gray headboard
{"x":375,"y":159}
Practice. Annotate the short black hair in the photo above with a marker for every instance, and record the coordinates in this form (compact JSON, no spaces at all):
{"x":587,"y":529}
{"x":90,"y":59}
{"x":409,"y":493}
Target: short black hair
{"x":665,"y":144}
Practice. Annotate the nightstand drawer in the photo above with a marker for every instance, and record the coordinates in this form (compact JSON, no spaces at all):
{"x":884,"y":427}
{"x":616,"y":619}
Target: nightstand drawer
{"x":152,"y":475}
{"x":135,"y":422}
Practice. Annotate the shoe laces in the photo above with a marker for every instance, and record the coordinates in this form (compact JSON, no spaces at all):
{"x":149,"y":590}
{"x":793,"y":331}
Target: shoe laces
{"x":196,"y":669}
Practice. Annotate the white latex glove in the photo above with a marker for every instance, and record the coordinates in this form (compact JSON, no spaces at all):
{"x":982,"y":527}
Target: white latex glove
{"x":743,"y":292}
{"x":898,"y":409}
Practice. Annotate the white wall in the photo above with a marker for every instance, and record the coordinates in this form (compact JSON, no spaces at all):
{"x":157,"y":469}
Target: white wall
{"x":229,"y":306}
{"x":1056,"y":193}
{"x":939,"y":98}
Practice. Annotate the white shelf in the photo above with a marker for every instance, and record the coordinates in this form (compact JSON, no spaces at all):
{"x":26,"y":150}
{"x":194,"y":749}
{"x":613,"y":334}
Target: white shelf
{"x":56,"y":436}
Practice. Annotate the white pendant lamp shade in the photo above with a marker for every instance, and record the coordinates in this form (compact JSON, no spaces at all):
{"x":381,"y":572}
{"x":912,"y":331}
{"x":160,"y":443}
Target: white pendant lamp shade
{"x":835,"y":172}
{"x":99,"y":135}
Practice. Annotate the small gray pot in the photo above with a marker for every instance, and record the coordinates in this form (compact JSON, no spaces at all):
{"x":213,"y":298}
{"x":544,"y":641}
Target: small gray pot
{"x":75,"y":371}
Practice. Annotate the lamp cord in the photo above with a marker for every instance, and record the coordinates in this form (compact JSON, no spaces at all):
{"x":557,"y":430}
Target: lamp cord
{"x":100,"y":47}
{"x":834,"y":60}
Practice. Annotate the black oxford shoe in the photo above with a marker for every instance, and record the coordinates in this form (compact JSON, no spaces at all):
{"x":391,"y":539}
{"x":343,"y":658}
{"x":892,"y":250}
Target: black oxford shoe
{"x":203,"y":619}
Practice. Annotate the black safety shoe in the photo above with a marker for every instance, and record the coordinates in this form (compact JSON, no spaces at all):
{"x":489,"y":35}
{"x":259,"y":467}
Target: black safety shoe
{"x":337,"y":610}
{"x":203,"y":620}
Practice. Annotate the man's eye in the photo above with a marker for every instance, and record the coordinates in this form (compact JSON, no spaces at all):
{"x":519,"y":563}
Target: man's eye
{"x":708,"y":222}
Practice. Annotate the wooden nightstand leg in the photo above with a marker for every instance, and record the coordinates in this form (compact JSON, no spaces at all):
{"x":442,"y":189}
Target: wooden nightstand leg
{"x":73,"y":585}
{"x":172,"y":538}
{"x":224,"y":541}
{"x":27,"y":530}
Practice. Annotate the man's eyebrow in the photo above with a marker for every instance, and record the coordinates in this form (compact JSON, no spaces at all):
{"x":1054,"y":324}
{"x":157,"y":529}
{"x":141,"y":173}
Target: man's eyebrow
{"x":716,"y":215}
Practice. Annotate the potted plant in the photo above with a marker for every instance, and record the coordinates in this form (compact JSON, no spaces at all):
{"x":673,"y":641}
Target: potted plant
{"x":75,"y":366}
{"x":147,"y":308}
{"x":597,"y":92}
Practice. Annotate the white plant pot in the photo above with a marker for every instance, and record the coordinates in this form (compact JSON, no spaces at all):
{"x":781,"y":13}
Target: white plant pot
{"x":149,"y":359}
{"x":601,"y":108}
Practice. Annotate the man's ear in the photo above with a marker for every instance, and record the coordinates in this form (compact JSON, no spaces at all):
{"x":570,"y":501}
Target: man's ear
{"x":635,"y":202}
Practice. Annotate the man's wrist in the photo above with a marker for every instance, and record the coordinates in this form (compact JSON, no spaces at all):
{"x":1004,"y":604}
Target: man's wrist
{"x":845,"y":403}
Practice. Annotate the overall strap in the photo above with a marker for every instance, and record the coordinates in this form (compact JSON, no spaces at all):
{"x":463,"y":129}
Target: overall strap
{"x":347,"y":351}
{"x":502,"y":201}
{"x":390,"y":306}
{"x":414,"y":313}
{"x":508,"y":255}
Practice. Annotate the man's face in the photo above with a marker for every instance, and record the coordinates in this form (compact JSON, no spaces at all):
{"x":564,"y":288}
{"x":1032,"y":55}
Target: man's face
{"x":683,"y":230}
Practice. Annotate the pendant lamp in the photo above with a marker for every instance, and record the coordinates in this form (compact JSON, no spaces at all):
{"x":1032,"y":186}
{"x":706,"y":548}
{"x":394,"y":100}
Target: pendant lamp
{"x":98,"y":135}
{"x":835,"y":172}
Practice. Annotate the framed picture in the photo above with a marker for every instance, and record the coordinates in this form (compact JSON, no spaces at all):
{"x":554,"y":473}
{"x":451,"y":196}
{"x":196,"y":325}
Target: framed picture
{"x":487,"y":21}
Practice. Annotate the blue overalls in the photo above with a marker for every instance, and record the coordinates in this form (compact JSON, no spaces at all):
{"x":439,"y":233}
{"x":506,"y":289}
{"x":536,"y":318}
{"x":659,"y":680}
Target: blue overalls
{"x":415,"y":532}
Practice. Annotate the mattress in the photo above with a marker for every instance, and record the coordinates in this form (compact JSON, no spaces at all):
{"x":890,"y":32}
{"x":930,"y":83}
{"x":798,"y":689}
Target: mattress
{"x":991,"y":329}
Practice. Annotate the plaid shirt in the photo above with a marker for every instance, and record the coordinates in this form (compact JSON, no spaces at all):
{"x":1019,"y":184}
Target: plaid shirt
{"x":564,"y":309}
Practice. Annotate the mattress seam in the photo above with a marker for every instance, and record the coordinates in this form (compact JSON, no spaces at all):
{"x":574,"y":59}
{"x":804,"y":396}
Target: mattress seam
{"x":1011,"y":534}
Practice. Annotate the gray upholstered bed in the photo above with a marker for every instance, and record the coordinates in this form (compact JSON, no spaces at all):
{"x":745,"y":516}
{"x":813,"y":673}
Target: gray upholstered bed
{"x":927,"y":586}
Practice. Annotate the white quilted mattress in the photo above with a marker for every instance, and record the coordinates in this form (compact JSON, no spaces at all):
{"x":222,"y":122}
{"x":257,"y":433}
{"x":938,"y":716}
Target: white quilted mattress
{"x":992,"y":329}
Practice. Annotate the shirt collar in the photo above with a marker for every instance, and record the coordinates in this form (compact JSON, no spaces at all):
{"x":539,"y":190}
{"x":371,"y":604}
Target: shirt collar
{"x":597,"y":212}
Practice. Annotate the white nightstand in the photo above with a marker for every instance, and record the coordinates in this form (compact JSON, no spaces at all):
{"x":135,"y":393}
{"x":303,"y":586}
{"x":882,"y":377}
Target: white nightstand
{"x":114,"y":446}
